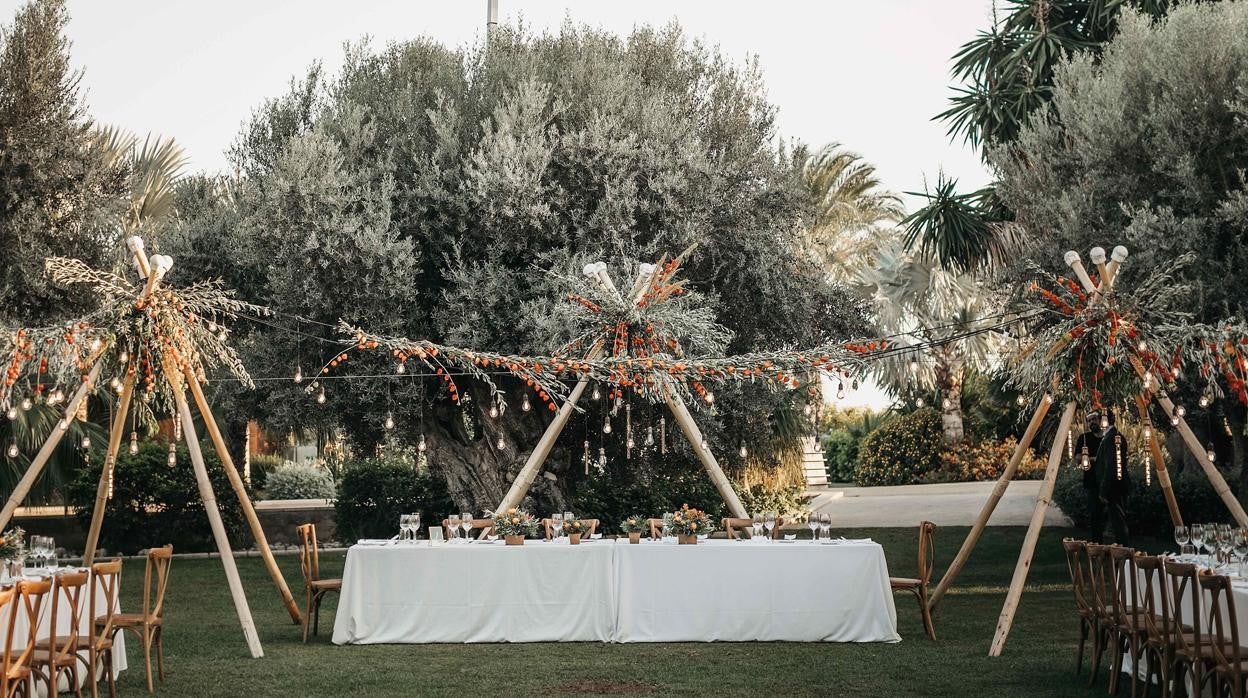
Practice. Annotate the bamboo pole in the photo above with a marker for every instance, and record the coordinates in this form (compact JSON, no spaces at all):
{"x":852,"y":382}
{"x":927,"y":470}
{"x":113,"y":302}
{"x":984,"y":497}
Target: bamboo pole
{"x":1033,"y":534}
{"x":110,"y":460}
{"x":214,"y":520}
{"x":981,"y":522}
{"x":41,"y":459}
{"x":1215,"y":477}
{"x":694,"y":435}
{"x":1159,"y":462}
{"x":240,"y":489}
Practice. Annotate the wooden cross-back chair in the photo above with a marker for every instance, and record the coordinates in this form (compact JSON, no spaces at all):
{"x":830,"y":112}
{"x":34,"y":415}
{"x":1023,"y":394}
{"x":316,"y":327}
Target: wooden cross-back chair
{"x":148,"y":625}
{"x":18,"y":675}
{"x":1157,"y":618}
{"x":918,"y":586}
{"x":315,"y":587}
{"x":1229,"y":670}
{"x":480,"y":527}
{"x":105,"y":577}
{"x":1190,"y":646}
{"x":732,"y":526}
{"x":13,"y":675}
{"x":1099,"y":585}
{"x":59,"y":653}
{"x":1076,"y":563}
{"x":591,"y":527}
{"x":1128,"y":627}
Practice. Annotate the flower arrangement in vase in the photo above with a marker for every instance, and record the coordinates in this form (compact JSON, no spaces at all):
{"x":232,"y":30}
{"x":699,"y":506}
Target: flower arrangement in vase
{"x":688,"y":523}
{"x":514,"y":525}
{"x":633,"y":526}
{"x":575,"y":529}
{"x":13,"y":550}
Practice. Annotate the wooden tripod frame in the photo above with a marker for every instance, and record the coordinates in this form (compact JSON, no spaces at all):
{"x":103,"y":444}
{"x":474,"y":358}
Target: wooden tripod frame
{"x":179,"y":379}
{"x":524,"y":480}
{"x":1014,"y":594}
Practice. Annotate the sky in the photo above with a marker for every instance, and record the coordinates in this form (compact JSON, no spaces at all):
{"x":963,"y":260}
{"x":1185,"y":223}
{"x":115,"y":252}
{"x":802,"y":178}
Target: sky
{"x":869,"y":75}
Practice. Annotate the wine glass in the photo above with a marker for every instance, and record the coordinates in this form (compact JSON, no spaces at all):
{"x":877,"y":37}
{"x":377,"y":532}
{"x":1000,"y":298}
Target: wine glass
{"x":415,"y":524}
{"x":452,"y":525}
{"x":1198,"y":537}
{"x":769,"y":523}
{"x":1241,"y":548}
{"x":825,"y":525}
{"x":53,"y":560}
{"x":667,"y":525}
{"x":1181,"y":536}
{"x":568,"y":517}
{"x":812,"y":522}
{"x":556,"y":525}
{"x":404,"y":523}
{"x":756,"y":526}
{"x":465,"y":520}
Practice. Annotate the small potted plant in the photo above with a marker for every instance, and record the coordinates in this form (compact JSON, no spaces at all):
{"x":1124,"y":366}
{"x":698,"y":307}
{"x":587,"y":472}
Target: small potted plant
{"x":575,"y":529}
{"x":633,"y":526}
{"x":514,"y":525}
{"x":13,"y":550}
{"x":688,"y":524}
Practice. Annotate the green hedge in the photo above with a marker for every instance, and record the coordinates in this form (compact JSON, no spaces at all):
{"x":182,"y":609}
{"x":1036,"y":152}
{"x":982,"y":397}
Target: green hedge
{"x":374,"y":492}
{"x":1146,"y":506}
{"x":901,"y":452}
{"x":154,"y":504}
{"x":299,"y":481}
{"x":840,"y":454}
{"x":644,"y":486}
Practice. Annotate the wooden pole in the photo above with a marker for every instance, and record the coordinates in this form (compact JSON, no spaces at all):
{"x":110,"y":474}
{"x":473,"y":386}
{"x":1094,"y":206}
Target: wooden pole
{"x":240,"y":489}
{"x":1202,"y":457}
{"x":981,"y":522}
{"x":110,"y":460}
{"x":41,"y":459}
{"x":214,"y":520}
{"x":1033,"y":533}
{"x":1159,"y":463}
{"x":694,"y":435}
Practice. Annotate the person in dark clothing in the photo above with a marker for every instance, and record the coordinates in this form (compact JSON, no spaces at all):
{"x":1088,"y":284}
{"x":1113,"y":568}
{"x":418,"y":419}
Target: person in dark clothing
{"x":1085,"y":451}
{"x":1113,"y":481}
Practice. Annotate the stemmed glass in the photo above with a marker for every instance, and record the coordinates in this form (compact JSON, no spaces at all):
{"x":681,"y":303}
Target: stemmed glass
{"x":825,"y":525}
{"x":812,"y":522}
{"x":556,"y":525}
{"x":1182,"y":536}
{"x":405,"y":522}
{"x":1241,"y":548}
{"x":769,"y":522}
{"x":756,"y":527}
{"x":465,"y":520}
{"x":568,"y":517}
{"x":415,"y":525}
{"x":1198,"y":537}
{"x":667,"y":525}
{"x":452,"y":525}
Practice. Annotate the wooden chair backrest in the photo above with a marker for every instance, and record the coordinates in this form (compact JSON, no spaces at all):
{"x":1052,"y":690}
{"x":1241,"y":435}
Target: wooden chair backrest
{"x":104,"y":583}
{"x":8,"y":610}
{"x":1185,"y":602}
{"x":1225,"y":628}
{"x":309,"y":553}
{"x":1153,"y":609}
{"x":482,"y":527}
{"x":732,"y":525}
{"x":927,"y":550}
{"x":656,"y":527}
{"x":156,"y":580}
{"x":31,"y":595}
{"x":1099,"y":579}
{"x":66,"y":586}
{"x":1125,"y":598}
{"x":1076,"y":564}
{"x":591,"y":526}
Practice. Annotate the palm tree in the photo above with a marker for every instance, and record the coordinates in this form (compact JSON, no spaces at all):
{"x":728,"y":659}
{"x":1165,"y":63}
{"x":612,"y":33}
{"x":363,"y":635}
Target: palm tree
{"x":963,"y":232}
{"x":852,"y":211}
{"x":921,"y":303}
{"x":154,"y":171}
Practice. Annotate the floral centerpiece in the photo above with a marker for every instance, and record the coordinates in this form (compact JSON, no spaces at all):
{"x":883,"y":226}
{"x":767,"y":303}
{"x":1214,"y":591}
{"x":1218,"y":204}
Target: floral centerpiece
{"x":514,"y":525}
{"x":13,"y":550}
{"x":633,"y":526}
{"x":688,"y":524}
{"x":575,"y":529}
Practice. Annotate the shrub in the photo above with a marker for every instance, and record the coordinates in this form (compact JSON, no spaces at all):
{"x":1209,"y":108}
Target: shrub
{"x":840,"y":454}
{"x":901,"y":452}
{"x":297,"y":481}
{"x":374,"y":492}
{"x":1146,"y":505}
{"x":782,"y":500}
{"x":261,"y":466}
{"x":154,"y":503}
{"x":644,"y":486}
{"x":985,"y":460}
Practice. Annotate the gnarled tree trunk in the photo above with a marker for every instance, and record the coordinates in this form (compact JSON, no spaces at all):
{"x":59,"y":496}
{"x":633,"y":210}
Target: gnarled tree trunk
{"x":950,"y":370}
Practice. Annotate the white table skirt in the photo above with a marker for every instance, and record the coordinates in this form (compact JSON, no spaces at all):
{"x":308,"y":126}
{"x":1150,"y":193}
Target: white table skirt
{"x":597,"y":591}
{"x":754,"y":591}
{"x":538,"y":592}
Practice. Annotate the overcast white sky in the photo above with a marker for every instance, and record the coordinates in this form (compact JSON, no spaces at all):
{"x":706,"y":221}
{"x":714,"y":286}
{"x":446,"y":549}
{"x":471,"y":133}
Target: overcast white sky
{"x":867,"y":74}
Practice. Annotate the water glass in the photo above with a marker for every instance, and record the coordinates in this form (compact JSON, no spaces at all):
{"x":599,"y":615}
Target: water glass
{"x":1198,"y":537}
{"x":1241,"y":548}
{"x":769,"y":523}
{"x":452,"y":526}
{"x":812,"y":522}
{"x":1181,"y":536}
{"x":825,"y":525}
{"x":404,"y":523}
{"x":415,"y":525}
{"x":465,"y":520}
{"x":556,"y":525}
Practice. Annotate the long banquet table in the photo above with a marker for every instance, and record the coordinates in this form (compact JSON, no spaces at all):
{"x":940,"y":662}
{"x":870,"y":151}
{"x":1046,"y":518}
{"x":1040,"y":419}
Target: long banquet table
{"x":610,"y":591}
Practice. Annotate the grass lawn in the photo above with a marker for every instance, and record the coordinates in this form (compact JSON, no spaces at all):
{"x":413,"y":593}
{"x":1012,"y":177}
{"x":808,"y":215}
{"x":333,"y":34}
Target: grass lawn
{"x":206,"y":655}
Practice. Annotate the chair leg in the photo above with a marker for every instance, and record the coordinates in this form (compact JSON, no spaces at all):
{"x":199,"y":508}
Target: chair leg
{"x":75,"y":685}
{"x":147,"y":658}
{"x":160,"y":652}
{"x":1115,"y":665}
{"x":316,"y":616}
{"x":1098,"y":649}
{"x":307,"y":618}
{"x":1083,"y":641}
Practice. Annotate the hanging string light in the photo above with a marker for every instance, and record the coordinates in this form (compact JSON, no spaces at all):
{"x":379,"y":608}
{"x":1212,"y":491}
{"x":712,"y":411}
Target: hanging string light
{"x":493,"y":411}
{"x":606,"y":425}
{"x":177,"y":428}
{"x":320,"y":396}
{"x":585,"y":457}
{"x":710,"y":398}
{"x":298,"y":378}
{"x":649,"y":442}
{"x":602,"y":460}
{"x":945,"y":403}
{"x":743,"y":451}
{"x":421,"y":445}
{"x":914,"y":367}
{"x":27,"y":404}
{"x":1210,"y":454}
{"x":1205,"y":400}
{"x":706,"y":447}
{"x":389,"y":423}
{"x":1070,"y":443}
{"x":919,"y":402}
{"x":1085,"y":462}
{"x":663,"y":435}
{"x":123,"y":358}
{"x":1104,"y":422}
{"x":500,"y":444}
{"x":85,"y":443}
{"x":1118,"y":455}
{"x":13,"y":449}
{"x":172,"y":459}
{"x":840,"y":390}
{"x":629,"y":443}
{"x":1180,"y":411}
{"x":400,"y":368}
{"x":64,"y":424}
{"x":597,"y":394}
{"x":808,"y":409}
{"x":524,"y":403}
{"x":11,"y":414}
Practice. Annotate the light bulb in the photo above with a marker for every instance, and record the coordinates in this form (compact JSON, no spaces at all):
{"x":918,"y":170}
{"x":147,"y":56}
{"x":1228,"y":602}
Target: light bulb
{"x":1148,"y":379}
{"x":631,"y":444}
{"x":493,"y":410}
{"x":501,"y":444}
{"x":524,"y":404}
{"x":172,"y":459}
{"x":1180,"y":410}
{"x":649,"y":436}
{"x":1142,"y":346}
{"x":606,"y":426}
{"x":1174,"y":421}
{"x":401,"y":368}
{"x":421,"y":445}
{"x":710,"y":397}
{"x":121,"y":388}
{"x":1085,"y":462}
{"x":114,"y":383}
{"x":1148,"y":433}
{"x":1020,"y":400}
{"x":919,"y":402}
{"x":854,"y":385}
{"x":743,"y":451}
{"x":389,"y":424}
{"x":212,"y":326}
{"x":298,"y":374}
{"x":597,"y":395}
{"x":13,"y":450}
{"x":945,"y":403}
{"x":1175,"y":372}
{"x":1211,"y":455}
{"x":222,"y":336}
{"x":11,"y":414}
{"x":808,"y":409}
{"x":124,"y":357}
{"x":86,"y":442}
{"x":134,"y":442}
{"x":320,"y":397}
{"x":840,"y":391}
{"x":914,"y":366}
{"x":1204,"y":400}
{"x":27,"y":404}
{"x":64,"y":425}
{"x":705,"y":445}
{"x":1104,"y":422}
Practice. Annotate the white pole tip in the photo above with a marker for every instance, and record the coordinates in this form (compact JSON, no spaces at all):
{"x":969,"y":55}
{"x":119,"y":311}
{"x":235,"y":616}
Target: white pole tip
{"x":1097,"y":254}
{"x":1119,"y":254}
{"x":647,"y":269}
{"x":134,"y":243}
{"x":1071,"y":258}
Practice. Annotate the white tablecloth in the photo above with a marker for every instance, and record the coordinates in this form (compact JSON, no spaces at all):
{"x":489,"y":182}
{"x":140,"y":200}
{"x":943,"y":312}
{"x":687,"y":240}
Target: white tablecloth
{"x":538,"y":592}
{"x":652,"y":592}
{"x":754,"y":590}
